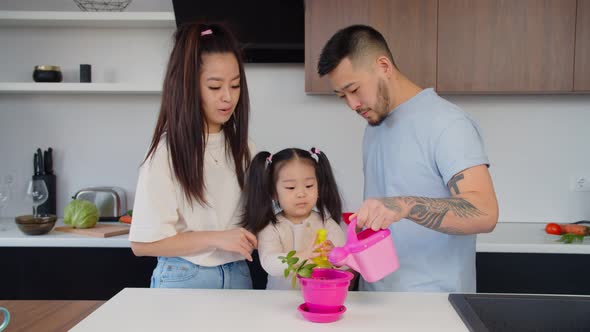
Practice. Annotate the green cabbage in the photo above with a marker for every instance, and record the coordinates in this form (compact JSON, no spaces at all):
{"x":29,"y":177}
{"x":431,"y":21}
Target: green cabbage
{"x":80,"y":213}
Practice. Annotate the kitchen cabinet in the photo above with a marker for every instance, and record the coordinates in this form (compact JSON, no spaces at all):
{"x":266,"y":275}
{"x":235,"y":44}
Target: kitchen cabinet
{"x":582,"y":57}
{"x":410,"y":30}
{"x":322,"y":20}
{"x":60,"y":273}
{"x":80,"y":273}
{"x":408,"y":26}
{"x":463,"y":46}
{"x":534,"y":273}
{"x":495,"y":46}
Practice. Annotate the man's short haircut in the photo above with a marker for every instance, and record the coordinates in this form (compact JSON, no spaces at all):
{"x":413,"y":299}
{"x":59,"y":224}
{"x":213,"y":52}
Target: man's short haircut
{"x":354,"y":42}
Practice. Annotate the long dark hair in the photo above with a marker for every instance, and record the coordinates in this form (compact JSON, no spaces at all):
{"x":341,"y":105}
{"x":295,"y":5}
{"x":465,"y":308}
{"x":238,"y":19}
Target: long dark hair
{"x":261,"y":187}
{"x":181,"y":117}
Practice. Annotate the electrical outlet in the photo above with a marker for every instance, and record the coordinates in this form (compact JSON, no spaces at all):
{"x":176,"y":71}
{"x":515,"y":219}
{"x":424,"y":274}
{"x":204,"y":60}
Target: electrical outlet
{"x":581,"y":183}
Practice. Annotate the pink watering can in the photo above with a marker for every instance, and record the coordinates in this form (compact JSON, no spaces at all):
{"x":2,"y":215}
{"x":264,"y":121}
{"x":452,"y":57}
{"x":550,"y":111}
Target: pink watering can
{"x":371,"y":253}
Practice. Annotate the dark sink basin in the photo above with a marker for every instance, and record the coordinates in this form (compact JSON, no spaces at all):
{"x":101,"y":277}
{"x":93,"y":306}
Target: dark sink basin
{"x":503,"y":312}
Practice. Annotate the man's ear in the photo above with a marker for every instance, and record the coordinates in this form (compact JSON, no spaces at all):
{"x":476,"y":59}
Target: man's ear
{"x":385,"y":66}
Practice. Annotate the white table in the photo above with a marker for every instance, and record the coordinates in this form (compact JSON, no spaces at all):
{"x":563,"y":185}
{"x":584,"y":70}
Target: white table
{"x":142,"y":309}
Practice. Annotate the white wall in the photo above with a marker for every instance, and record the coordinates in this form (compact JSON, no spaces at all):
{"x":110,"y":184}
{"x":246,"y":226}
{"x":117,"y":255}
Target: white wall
{"x":535,"y":143}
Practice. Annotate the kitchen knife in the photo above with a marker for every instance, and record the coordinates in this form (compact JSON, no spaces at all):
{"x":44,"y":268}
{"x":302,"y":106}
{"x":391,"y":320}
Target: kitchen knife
{"x":35,"y":164}
{"x":582,"y":222}
{"x":45,"y":162}
{"x":40,"y":163}
{"x":49,"y":161}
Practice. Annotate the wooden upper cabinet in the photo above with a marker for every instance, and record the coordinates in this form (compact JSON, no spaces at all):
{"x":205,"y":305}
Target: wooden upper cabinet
{"x":410,"y":30}
{"x":408,"y":26}
{"x":582,"y":59}
{"x":506,"y":45}
{"x":322,"y":19}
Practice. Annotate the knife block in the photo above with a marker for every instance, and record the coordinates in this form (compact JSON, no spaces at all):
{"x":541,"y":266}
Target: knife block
{"x":49,"y":207}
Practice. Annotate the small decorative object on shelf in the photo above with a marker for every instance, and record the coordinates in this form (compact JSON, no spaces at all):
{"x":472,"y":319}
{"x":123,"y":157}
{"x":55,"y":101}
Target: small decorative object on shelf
{"x":85,"y":73}
{"x":45,"y":73}
{"x":102,"y":6}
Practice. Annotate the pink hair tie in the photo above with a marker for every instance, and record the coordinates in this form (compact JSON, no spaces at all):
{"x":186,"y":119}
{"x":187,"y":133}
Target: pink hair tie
{"x":315,"y":154}
{"x":269,"y":159}
{"x":206,"y":32}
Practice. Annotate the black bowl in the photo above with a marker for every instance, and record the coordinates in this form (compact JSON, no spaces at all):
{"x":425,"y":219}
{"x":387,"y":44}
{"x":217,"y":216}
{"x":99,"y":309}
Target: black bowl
{"x":36,"y":225}
{"x":47,"y":74}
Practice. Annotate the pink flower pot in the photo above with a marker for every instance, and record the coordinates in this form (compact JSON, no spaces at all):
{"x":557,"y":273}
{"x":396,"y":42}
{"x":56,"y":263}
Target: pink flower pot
{"x":326,"y":289}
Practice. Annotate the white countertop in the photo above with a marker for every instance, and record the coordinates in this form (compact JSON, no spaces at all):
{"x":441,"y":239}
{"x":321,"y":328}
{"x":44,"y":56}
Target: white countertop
{"x":508,"y":237}
{"x":527,"y":238}
{"x":11,"y":236}
{"x":145,"y":309}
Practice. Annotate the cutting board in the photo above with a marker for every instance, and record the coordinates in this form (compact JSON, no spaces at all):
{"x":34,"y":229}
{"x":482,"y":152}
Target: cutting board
{"x":99,"y":230}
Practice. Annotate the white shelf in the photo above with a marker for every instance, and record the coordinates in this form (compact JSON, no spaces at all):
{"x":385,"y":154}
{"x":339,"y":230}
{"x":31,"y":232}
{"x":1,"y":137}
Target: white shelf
{"x":87,"y":19}
{"x":80,"y":88}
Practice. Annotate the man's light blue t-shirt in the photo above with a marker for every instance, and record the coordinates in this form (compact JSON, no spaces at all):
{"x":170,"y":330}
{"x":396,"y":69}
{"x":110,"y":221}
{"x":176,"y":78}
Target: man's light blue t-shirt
{"x":415,"y":151}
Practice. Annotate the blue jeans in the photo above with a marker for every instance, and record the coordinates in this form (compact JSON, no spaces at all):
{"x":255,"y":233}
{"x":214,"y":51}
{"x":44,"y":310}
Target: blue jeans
{"x":176,"y":272}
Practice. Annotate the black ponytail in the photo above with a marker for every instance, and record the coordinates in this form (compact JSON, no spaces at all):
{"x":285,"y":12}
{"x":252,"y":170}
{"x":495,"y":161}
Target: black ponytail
{"x":258,"y":191}
{"x":328,"y":195}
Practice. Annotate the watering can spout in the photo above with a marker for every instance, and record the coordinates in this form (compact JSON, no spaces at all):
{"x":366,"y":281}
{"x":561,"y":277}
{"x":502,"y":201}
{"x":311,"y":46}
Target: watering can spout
{"x":339,"y":256}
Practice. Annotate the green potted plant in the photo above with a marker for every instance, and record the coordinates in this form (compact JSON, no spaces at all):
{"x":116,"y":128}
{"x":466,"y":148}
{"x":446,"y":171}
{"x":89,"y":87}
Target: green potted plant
{"x":295,"y":268}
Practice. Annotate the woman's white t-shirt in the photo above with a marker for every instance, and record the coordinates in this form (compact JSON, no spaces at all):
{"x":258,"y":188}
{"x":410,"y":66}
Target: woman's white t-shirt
{"x":161,"y":209}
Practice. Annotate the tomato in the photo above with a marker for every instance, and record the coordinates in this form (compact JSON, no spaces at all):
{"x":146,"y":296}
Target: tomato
{"x":125,"y":219}
{"x":553,"y":228}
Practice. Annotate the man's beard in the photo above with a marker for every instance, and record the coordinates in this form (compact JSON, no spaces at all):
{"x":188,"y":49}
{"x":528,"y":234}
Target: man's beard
{"x":381,"y":107}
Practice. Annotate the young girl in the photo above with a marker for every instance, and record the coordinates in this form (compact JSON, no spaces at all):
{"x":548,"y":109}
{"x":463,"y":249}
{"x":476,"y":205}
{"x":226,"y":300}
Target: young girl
{"x":297,"y":181}
{"x":186,"y":209}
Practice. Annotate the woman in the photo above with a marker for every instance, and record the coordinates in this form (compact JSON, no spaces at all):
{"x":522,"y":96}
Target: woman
{"x":187,"y":209}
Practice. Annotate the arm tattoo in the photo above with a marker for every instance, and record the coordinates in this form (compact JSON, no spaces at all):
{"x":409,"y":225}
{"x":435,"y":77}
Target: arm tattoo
{"x":392,"y":203}
{"x":430,"y":212}
{"x":453,"y":183}
{"x":451,"y":230}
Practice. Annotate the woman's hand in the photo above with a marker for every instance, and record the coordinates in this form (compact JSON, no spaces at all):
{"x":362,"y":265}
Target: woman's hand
{"x":237,"y":240}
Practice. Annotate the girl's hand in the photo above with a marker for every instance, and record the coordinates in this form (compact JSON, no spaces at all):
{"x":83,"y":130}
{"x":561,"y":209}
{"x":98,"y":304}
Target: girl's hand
{"x":310,"y":252}
{"x":237,"y":240}
{"x":326,"y":247}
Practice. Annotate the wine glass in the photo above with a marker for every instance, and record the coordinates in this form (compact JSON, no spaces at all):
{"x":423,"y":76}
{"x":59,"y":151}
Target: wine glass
{"x":37,"y":191}
{"x":4,"y":197}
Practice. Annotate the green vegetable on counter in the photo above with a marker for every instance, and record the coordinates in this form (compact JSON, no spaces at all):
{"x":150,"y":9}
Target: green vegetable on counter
{"x":80,"y":213}
{"x":571,"y":238}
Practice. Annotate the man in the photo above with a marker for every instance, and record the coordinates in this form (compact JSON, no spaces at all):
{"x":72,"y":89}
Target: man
{"x":426,"y":171}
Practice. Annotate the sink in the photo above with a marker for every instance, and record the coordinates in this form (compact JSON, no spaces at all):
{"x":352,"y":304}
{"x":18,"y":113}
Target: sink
{"x":506,"y":312}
